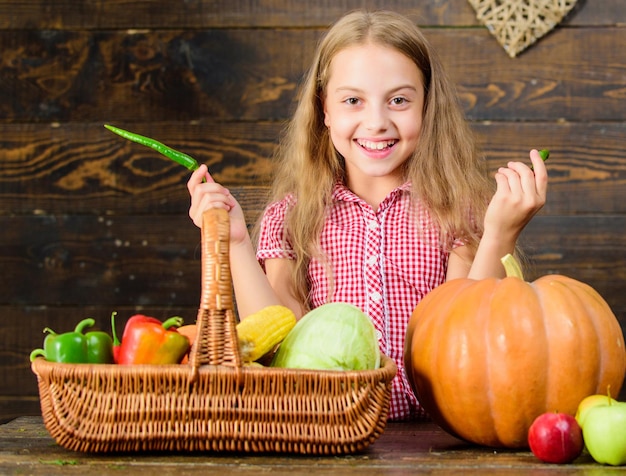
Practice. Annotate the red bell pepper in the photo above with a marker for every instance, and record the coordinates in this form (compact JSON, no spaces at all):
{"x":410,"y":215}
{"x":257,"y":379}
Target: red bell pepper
{"x":147,"y":340}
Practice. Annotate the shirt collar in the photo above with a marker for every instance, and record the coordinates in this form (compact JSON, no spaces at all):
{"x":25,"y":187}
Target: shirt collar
{"x":341,"y":193}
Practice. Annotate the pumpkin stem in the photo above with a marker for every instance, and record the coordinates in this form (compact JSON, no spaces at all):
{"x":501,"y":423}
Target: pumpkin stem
{"x":512,"y":267}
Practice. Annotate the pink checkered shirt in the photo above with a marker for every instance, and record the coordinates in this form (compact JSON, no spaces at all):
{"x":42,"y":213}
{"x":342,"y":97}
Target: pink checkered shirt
{"x":382,"y":261}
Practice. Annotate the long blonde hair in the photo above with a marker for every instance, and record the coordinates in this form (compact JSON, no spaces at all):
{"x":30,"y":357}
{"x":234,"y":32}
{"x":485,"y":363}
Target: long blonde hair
{"x":446,"y":171}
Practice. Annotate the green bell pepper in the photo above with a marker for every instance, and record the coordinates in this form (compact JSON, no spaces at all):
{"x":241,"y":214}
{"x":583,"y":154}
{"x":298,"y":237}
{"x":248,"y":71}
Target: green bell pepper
{"x":76,"y":347}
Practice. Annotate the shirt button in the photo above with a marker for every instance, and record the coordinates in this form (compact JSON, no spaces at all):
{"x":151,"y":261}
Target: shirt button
{"x":372,"y":260}
{"x":375,"y":296}
{"x":372,"y":224}
{"x":379,"y":335}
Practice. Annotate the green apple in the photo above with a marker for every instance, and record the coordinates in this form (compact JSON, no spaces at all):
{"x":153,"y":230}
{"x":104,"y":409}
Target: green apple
{"x":604,"y":433}
{"x":588,"y":403}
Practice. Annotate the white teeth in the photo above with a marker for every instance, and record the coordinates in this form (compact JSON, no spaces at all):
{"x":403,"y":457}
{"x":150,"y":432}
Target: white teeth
{"x":376,"y":145}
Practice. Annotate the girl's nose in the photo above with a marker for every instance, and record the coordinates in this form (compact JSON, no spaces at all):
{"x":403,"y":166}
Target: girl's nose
{"x":376,"y":118}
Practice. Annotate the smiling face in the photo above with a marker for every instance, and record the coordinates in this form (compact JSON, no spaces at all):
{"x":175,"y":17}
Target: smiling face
{"x":373,"y":108}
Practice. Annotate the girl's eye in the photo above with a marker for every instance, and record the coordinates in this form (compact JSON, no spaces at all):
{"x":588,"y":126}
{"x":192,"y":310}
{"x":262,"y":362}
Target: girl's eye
{"x":398,"y":101}
{"x":352,"y":101}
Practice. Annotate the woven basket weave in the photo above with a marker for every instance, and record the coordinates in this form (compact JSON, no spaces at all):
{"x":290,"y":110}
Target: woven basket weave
{"x":214,"y":403}
{"x":517,"y":24}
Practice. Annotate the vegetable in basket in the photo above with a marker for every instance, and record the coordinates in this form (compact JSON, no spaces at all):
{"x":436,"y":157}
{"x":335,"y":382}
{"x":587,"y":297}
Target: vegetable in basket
{"x":258,"y":334}
{"x":261,"y":332}
{"x":333,"y":336}
{"x":76,"y":347}
{"x":147,"y":340}
{"x":116,"y":341}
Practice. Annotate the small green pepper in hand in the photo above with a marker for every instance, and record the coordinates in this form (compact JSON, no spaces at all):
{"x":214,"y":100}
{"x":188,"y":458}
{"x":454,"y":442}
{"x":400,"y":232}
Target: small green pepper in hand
{"x":177,"y":156}
{"x":76,"y":347}
{"x":544,"y":154}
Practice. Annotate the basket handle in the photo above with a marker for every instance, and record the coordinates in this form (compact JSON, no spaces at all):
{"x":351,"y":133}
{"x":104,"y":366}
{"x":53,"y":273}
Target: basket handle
{"x":216,"y":339}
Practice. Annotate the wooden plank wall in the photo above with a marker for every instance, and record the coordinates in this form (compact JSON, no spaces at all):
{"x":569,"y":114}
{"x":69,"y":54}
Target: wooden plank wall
{"x":92,"y":223}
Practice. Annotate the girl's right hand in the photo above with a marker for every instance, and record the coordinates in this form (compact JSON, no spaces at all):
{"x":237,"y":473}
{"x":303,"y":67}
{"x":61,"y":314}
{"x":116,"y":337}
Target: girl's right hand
{"x":210,"y":194}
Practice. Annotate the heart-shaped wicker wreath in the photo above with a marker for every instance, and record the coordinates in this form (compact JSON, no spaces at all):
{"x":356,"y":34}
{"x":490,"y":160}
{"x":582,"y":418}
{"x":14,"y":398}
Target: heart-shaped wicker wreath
{"x":517,"y":24}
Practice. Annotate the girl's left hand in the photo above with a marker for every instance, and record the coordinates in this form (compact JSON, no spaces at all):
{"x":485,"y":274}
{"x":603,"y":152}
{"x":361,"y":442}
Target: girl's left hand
{"x":520,"y":194}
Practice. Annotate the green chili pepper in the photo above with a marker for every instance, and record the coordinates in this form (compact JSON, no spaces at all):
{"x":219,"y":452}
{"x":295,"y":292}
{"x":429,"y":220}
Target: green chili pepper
{"x":76,"y":347}
{"x":116,"y":341}
{"x":176,"y":156}
{"x":544,"y":154}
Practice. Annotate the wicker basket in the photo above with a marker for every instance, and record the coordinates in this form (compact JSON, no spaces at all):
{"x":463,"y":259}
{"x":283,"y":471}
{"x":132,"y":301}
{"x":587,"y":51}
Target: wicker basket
{"x":214,"y":403}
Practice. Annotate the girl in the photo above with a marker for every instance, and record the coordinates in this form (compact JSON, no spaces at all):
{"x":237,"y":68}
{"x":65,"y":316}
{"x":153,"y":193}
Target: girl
{"x":379,"y":194}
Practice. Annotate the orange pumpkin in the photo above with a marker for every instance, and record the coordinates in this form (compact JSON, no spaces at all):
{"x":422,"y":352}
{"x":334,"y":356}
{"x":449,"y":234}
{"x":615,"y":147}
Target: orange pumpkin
{"x":486,"y":357}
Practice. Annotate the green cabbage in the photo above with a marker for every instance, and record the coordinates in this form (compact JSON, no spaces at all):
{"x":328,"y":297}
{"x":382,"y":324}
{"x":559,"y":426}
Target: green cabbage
{"x":334,"y":336}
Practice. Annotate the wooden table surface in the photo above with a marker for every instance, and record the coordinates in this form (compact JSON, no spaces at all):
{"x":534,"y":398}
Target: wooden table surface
{"x":27,"y":448}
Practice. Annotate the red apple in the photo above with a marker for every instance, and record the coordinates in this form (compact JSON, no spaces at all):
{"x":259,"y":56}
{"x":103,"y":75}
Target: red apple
{"x":555,"y":438}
